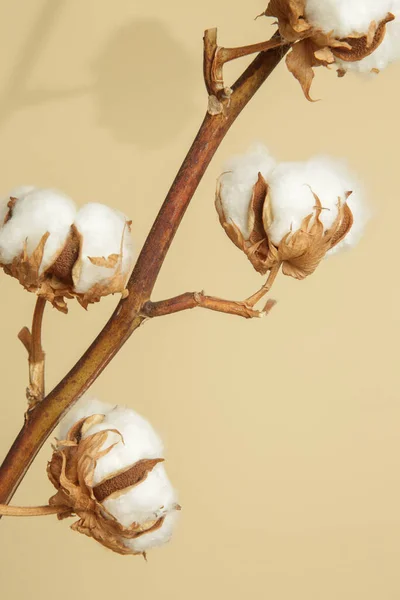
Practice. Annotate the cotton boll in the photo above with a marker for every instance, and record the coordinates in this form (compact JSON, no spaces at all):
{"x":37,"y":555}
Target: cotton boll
{"x":345,"y":17}
{"x":159,"y":537}
{"x":237,"y":182}
{"x":104,"y":232}
{"x":34,"y":214}
{"x":121,"y":493}
{"x":153,"y":498}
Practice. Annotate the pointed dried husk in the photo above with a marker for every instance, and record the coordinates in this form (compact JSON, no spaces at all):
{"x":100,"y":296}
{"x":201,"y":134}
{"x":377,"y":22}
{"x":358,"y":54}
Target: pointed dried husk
{"x":71,"y":471}
{"x":313,"y":47}
{"x":56,"y":284}
{"x":300,"y":251}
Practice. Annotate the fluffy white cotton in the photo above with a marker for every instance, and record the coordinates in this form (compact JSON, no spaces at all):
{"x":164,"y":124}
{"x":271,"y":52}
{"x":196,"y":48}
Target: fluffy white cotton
{"x":85,"y":407}
{"x":17,"y":192}
{"x":237,"y":182}
{"x":387,"y":52}
{"x":153,"y":498}
{"x":155,"y":538}
{"x":360,"y":211}
{"x":35,"y":213}
{"x":139,"y":441}
{"x":291,"y":187}
{"x":345,"y":17}
{"x":105,"y":231}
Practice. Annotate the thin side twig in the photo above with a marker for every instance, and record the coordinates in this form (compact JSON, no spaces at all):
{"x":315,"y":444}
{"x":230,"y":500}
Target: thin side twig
{"x":30,"y":511}
{"x":199,"y":299}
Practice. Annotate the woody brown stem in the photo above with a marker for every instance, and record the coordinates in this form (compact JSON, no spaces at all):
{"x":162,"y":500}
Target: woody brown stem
{"x":36,"y":357}
{"x":30,"y":511}
{"x":198,"y":299}
{"x":127,"y":317}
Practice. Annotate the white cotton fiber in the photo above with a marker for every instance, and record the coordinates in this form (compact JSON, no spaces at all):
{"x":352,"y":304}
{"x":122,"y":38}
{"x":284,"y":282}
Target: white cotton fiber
{"x":237,"y":182}
{"x":155,"y":538}
{"x":85,"y":407}
{"x":17,"y":192}
{"x":35,"y":213}
{"x":105,"y":232}
{"x":345,"y":17}
{"x":153,"y":498}
{"x":291,"y":187}
{"x":139,"y":441}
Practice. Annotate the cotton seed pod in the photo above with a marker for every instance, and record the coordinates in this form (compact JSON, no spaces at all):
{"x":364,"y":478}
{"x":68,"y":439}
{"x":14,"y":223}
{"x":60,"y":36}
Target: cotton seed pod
{"x":294,"y":218}
{"x":57,"y":252}
{"x":108,"y":471}
{"x":342,"y":32}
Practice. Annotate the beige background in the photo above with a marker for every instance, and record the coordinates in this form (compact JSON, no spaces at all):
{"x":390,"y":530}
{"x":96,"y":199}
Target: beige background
{"x":281,"y":435}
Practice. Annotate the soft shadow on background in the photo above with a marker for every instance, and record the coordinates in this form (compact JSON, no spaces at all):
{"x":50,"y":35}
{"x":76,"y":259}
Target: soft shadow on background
{"x":142,"y":80}
{"x":16,"y":94}
{"x":143,"y":88}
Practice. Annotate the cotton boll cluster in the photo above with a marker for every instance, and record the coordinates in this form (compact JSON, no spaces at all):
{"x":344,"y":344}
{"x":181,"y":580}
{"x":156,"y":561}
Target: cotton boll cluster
{"x":297,"y":214}
{"x":346,"y":17}
{"x":59,"y":252}
{"x":144,"y":508}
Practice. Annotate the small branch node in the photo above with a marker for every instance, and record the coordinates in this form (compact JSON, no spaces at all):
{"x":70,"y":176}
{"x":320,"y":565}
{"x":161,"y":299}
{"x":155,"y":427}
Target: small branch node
{"x":215,"y":58}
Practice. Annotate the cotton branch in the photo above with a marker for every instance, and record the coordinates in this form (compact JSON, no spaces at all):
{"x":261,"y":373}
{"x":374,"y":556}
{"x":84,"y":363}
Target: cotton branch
{"x":198,"y":299}
{"x":128,"y":316}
